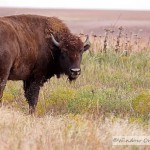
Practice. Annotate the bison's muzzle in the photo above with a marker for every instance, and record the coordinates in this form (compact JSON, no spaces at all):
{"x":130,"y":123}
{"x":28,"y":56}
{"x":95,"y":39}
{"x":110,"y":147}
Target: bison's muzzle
{"x":74,"y":73}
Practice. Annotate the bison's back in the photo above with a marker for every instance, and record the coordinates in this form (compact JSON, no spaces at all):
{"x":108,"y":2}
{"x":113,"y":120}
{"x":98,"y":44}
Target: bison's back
{"x":22,"y":41}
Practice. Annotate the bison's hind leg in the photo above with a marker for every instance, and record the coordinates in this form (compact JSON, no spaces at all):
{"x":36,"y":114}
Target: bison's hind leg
{"x":2,"y":86}
{"x":5,"y":66}
{"x":3,"y":81}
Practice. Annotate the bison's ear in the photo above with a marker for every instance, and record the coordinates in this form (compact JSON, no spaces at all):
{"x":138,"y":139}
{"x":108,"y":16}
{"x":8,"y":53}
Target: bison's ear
{"x":86,"y":47}
{"x":87,"y":43}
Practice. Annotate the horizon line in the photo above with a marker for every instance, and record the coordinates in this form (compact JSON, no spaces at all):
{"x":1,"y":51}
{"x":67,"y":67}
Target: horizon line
{"x":96,"y":9}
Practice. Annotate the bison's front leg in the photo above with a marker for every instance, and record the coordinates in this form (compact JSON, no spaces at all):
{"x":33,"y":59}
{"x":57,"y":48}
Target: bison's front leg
{"x":31,"y":89}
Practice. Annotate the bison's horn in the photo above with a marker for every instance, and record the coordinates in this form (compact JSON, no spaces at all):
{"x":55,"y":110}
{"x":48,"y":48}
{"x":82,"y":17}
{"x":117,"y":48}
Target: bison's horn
{"x":87,"y":42}
{"x":54,"y":41}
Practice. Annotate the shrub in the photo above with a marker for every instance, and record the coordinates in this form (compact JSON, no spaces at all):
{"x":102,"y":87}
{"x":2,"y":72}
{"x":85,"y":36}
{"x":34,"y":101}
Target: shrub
{"x":141,"y":103}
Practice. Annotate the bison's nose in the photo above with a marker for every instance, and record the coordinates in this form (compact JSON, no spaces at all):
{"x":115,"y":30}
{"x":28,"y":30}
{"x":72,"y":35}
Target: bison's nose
{"x":75,"y":71}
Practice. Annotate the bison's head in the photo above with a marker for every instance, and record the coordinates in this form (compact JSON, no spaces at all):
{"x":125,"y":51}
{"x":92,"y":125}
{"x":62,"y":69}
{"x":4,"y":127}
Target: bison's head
{"x":71,"y":49}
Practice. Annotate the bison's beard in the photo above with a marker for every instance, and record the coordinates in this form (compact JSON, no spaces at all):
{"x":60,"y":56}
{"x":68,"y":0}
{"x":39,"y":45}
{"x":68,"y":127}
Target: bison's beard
{"x":72,"y":78}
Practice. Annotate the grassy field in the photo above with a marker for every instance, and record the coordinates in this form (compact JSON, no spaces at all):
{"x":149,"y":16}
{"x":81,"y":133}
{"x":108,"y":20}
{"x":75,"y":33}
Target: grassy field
{"x":111,"y":97}
{"x":22,"y":132}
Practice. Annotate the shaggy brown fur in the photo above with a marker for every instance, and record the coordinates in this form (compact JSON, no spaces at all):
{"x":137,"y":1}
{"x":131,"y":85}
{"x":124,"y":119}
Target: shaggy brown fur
{"x":28,"y":53}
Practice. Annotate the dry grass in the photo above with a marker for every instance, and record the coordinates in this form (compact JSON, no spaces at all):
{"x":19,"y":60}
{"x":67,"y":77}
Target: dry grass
{"x":21,"y":132}
{"x":119,"y":39}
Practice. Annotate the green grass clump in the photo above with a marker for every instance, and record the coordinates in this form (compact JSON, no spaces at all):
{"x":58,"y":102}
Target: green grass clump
{"x":8,"y":97}
{"x":11,"y":92}
{"x":96,"y":101}
{"x":141,"y":103}
{"x":56,"y":101}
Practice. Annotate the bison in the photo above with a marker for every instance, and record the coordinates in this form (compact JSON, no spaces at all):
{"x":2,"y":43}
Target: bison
{"x":33,"y":49}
